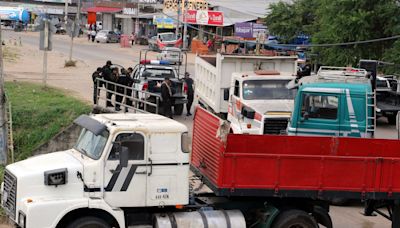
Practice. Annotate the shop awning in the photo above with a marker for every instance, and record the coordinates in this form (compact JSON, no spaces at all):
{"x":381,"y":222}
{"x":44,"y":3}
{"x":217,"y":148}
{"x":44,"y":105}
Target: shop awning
{"x":103,"y":10}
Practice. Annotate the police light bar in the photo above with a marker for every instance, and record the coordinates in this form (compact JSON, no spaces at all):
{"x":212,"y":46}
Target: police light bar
{"x":155,"y":62}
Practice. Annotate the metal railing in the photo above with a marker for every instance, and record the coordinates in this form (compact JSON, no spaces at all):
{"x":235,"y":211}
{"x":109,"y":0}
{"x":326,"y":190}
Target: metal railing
{"x":130,"y":99}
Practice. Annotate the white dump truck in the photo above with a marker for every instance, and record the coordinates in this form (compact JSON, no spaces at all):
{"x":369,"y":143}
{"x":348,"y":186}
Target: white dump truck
{"x":249,"y":91}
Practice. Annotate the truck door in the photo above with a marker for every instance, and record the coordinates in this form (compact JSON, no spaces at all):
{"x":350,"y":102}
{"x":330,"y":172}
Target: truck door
{"x":319,"y":114}
{"x":235,"y":107}
{"x":168,"y":168}
{"x":126,"y":186}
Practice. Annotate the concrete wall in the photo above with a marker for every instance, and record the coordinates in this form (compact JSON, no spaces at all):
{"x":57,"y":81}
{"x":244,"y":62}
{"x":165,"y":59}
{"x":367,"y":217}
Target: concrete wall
{"x":62,"y":141}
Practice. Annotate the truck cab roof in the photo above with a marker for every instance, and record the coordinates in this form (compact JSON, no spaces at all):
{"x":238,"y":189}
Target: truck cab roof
{"x":336,"y":87}
{"x":150,"y":123}
{"x":263,"y":75}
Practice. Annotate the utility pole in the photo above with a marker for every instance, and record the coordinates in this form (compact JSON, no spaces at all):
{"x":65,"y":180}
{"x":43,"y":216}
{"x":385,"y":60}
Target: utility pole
{"x":75,"y":24}
{"x":3,"y":129}
{"x":137,"y":21}
{"x":185,"y":40}
{"x":178,"y":17}
{"x":46,"y":46}
{"x":66,"y":11}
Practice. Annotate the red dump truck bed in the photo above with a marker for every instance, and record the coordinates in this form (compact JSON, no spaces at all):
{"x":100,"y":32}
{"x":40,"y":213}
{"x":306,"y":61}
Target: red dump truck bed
{"x":294,"y":166}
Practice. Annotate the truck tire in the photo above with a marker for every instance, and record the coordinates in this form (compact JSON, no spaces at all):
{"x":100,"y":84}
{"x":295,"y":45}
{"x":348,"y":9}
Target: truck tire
{"x":89,"y":222}
{"x":294,"y":218}
{"x":392,"y":119}
{"x":178,"y":109}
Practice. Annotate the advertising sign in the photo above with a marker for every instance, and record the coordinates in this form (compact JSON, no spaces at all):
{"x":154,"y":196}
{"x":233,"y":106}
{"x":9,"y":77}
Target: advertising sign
{"x":173,"y":5}
{"x":164,"y":22}
{"x":244,"y":30}
{"x":250,"y":30}
{"x":204,"y":17}
{"x":14,"y":14}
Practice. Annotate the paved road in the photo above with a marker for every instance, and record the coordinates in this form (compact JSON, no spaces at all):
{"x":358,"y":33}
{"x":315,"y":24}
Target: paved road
{"x":88,"y":51}
{"x":343,"y":217}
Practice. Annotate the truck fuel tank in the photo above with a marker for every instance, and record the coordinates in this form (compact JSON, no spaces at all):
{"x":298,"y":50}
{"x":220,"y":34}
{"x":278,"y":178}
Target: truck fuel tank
{"x":200,"y":219}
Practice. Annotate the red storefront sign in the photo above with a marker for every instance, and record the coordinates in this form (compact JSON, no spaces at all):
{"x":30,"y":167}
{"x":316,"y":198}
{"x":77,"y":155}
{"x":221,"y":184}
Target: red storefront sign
{"x":204,"y":17}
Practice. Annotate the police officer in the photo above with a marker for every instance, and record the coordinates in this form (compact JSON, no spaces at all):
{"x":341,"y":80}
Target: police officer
{"x":107,"y":75}
{"x":190,"y":93}
{"x":95,"y":76}
{"x":129,"y":83}
{"x":166,"y":96}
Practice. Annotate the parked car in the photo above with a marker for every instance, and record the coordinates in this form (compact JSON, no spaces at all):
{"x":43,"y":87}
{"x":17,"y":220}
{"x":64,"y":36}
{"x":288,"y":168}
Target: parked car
{"x":107,"y":36}
{"x":171,"y":54}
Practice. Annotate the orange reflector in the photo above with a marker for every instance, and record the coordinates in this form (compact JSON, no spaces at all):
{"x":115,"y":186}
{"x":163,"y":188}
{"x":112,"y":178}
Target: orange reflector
{"x":248,"y":126}
{"x":29,"y":200}
{"x":179,"y":206}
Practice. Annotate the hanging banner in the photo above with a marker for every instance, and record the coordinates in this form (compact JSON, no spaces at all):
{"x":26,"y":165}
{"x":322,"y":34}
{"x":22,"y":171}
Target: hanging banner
{"x":204,"y":17}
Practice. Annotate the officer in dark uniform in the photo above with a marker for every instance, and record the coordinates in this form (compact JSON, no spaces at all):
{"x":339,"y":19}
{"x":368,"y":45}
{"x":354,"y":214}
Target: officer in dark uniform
{"x":107,"y":75}
{"x":166,"y":96}
{"x":129,"y":83}
{"x":95,"y":76}
{"x":124,"y":80}
{"x":190,"y":93}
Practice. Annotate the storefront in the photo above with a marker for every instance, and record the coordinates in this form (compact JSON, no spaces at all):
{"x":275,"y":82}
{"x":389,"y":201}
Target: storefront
{"x":104,"y":14}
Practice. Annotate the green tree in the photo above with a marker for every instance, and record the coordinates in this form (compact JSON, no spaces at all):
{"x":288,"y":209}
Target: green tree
{"x":340,"y":21}
{"x":392,"y":55}
{"x":290,"y":20}
{"x":355,"y":20}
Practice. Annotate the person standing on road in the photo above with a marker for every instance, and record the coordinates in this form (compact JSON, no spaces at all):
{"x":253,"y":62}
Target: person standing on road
{"x":107,"y":75}
{"x":129,"y":83}
{"x":166,"y":96}
{"x":93,"y":34}
{"x":95,"y":76}
{"x":190,"y":93}
{"x":88,"y":32}
{"x":133,"y":38}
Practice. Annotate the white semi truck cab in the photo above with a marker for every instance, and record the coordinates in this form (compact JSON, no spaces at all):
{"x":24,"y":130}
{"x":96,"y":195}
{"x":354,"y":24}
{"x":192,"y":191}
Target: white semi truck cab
{"x":119,"y":161}
{"x":260,"y":102}
{"x":249,"y":91}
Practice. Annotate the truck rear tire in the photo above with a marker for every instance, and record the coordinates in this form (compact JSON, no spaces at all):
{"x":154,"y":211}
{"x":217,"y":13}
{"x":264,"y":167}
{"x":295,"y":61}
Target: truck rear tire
{"x":89,"y":222}
{"x":178,"y":109}
{"x":294,"y":218}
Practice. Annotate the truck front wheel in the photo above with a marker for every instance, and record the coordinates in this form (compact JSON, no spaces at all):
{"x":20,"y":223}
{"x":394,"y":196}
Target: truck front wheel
{"x":294,"y":219}
{"x":89,"y":222}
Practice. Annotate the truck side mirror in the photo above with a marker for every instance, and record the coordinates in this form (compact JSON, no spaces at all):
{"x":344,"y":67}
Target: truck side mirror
{"x":124,"y":156}
{"x":226,"y":94}
{"x":248,"y":112}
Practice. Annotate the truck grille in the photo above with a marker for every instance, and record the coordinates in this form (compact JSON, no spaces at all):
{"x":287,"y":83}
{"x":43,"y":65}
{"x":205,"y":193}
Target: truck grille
{"x":275,"y":126}
{"x":9,"y":194}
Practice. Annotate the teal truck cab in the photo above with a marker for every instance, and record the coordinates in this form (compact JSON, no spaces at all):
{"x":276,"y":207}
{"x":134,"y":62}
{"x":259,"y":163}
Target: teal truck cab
{"x":338,"y":101}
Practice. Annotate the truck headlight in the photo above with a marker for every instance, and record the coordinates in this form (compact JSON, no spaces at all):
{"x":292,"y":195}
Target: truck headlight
{"x":56,"y":177}
{"x":21,"y":219}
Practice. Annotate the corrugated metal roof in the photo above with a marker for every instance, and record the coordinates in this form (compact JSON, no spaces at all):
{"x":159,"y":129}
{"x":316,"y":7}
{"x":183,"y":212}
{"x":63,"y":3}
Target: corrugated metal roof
{"x":256,"y":8}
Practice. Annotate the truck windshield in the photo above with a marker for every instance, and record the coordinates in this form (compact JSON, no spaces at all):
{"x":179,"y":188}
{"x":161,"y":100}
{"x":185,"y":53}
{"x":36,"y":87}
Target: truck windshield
{"x":91,"y":145}
{"x":167,"y":37}
{"x":267,"y":89}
